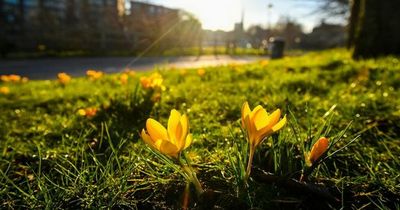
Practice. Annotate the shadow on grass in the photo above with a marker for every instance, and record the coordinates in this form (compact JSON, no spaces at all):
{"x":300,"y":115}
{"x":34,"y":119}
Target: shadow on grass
{"x":121,"y":120}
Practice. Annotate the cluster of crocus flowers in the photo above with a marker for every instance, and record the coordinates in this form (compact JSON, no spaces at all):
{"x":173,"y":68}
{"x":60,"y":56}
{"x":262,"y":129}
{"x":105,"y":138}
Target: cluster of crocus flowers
{"x":94,"y":75}
{"x":10,"y":78}
{"x":259,"y":125}
{"x":318,"y":149}
{"x":88,"y":112}
{"x":154,"y":81}
{"x":63,"y":78}
{"x":13,"y":78}
{"x":4,"y":90}
{"x":124,"y":76}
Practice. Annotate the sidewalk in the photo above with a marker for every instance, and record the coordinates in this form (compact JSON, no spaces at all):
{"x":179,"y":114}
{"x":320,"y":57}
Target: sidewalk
{"x":48,"y":68}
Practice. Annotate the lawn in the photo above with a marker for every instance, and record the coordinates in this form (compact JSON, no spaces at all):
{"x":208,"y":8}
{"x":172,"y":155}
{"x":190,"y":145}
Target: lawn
{"x":78,"y":144}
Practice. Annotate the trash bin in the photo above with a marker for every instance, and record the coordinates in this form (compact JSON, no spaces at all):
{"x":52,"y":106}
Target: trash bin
{"x":276,"y":46}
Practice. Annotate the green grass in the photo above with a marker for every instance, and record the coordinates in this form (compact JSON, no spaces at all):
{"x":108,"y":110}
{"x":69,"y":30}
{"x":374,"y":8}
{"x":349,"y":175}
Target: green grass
{"x":51,"y":157}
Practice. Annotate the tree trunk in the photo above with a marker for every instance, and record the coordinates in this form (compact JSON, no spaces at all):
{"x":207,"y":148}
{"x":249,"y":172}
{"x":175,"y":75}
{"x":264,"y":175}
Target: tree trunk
{"x":377,"y":29}
{"x":354,"y":18}
{"x":2,"y":16}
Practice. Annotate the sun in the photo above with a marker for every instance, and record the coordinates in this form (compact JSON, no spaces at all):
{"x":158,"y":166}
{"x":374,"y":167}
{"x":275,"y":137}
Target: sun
{"x":215,"y":14}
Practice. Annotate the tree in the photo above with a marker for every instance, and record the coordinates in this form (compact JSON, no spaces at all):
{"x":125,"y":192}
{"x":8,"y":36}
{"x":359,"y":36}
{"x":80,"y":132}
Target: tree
{"x":290,"y":30}
{"x":335,"y":7}
{"x":375,"y":28}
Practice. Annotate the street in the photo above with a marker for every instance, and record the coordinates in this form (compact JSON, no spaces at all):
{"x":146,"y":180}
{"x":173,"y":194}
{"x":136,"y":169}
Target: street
{"x":39,"y":69}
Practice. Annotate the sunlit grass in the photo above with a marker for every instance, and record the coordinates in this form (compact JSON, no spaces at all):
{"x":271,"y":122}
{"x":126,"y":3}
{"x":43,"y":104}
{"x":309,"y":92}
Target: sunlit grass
{"x":53,"y":156}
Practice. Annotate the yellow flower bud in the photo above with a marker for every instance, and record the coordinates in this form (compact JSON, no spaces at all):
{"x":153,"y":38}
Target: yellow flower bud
{"x":318,"y":149}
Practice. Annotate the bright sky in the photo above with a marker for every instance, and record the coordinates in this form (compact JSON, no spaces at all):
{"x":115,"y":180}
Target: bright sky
{"x":222,"y":14}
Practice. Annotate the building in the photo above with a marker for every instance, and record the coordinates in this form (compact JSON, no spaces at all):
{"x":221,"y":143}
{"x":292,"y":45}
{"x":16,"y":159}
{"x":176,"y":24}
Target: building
{"x":56,"y":23}
{"x":231,"y":40}
{"x":147,"y":22}
{"x":150,"y":10}
{"x":92,"y":26}
{"x":27,"y":10}
{"x":324,"y":36}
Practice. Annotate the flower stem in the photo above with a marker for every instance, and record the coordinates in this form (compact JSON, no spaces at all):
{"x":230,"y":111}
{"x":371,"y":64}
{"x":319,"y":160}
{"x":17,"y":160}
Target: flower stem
{"x":249,"y":163}
{"x":192,"y":176}
{"x":186,"y":197}
{"x":197,"y":184}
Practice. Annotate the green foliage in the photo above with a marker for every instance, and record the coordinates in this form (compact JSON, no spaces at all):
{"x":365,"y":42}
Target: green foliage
{"x":51,"y":157}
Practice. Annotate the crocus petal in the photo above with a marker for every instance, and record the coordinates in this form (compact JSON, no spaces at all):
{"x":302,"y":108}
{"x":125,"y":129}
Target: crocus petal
{"x":272,"y":126}
{"x":245,"y":111}
{"x":185,"y":130}
{"x":318,"y":149}
{"x":173,"y":122}
{"x":180,"y":142}
{"x":279,"y":125}
{"x":167,"y":148}
{"x":274,"y":118}
{"x":250,"y":128}
{"x":261,"y":119}
{"x":253,"y":113}
{"x":188,"y":141}
{"x":156,"y":130}
{"x":146,"y":138}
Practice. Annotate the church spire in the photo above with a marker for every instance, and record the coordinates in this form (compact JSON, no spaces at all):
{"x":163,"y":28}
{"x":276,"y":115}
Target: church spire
{"x":242,"y":18}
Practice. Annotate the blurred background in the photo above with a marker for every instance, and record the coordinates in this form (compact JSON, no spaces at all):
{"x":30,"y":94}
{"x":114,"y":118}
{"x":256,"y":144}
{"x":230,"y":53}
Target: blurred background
{"x":169,"y":27}
{"x":35,"y":28}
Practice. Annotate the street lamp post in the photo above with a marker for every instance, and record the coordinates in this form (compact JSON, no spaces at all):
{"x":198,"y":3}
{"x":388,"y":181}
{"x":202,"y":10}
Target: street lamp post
{"x":270,"y":5}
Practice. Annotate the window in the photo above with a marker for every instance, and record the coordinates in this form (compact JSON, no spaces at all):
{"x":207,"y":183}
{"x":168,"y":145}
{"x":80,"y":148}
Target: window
{"x":152,"y":10}
{"x":31,"y":3}
{"x":11,"y":1}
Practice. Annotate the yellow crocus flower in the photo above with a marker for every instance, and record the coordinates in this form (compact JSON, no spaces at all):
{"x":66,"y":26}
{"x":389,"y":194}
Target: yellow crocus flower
{"x":171,"y":141}
{"x":24,"y":79}
{"x":94,"y":75}
{"x":201,"y":72}
{"x":318,"y":149}
{"x":63,"y":78}
{"x":259,"y":125}
{"x":4,"y":90}
{"x":5,"y":78}
{"x":15,"y":78}
{"x":123,"y":78}
{"x":146,"y":82}
{"x":264,"y":63}
{"x":154,"y":81}
{"x":130,"y":72}
{"x":82,"y":112}
{"x":88,"y":112}
{"x":11,"y":78}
